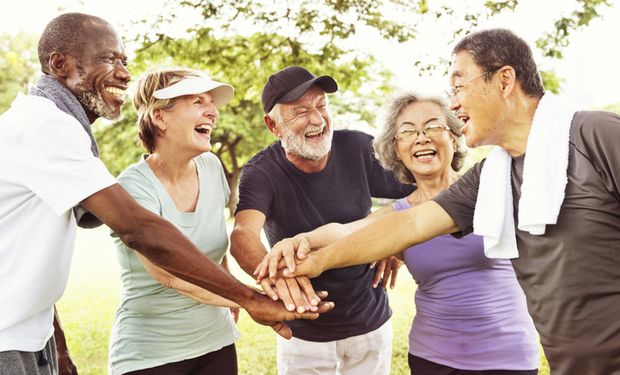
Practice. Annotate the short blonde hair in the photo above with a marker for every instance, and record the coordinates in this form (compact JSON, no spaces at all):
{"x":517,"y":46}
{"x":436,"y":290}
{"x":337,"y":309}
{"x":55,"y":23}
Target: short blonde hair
{"x":145,"y":103}
{"x":385,"y":145}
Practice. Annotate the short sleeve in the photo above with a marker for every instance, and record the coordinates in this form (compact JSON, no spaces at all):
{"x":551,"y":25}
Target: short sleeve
{"x":596,"y":135}
{"x":255,"y":190}
{"x":141,"y":190}
{"x":58,"y":166}
{"x":459,"y":200}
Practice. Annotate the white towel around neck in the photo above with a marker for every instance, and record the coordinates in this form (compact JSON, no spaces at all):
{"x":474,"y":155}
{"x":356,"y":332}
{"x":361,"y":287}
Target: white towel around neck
{"x":544,"y":182}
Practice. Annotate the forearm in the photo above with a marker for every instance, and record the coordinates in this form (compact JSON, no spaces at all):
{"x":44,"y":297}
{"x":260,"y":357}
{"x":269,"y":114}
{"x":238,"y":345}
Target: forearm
{"x":247,"y":249}
{"x":187,"y":289}
{"x":59,"y":334}
{"x":388,"y":235}
{"x":166,"y":247}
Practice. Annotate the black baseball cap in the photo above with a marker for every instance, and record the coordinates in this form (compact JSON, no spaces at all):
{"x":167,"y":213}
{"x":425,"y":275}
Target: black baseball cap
{"x":290,"y":84}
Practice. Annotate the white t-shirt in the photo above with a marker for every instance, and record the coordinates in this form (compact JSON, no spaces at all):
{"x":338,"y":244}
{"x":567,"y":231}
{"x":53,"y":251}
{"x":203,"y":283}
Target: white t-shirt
{"x":46,"y":168}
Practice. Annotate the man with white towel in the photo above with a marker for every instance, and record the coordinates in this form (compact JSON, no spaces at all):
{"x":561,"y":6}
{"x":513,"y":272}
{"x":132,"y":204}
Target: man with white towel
{"x":548,"y":197}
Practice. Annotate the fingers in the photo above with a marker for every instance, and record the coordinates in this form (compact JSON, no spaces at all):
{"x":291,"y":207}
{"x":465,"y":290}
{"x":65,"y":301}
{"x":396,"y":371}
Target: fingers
{"x":308,"y":290}
{"x":298,"y":298}
{"x":393,"y":278}
{"x":284,"y":294}
{"x":261,"y":270}
{"x":379,"y":271}
{"x":325,"y":306}
{"x":282,"y":330}
{"x":303,"y":249}
{"x":266,"y":284}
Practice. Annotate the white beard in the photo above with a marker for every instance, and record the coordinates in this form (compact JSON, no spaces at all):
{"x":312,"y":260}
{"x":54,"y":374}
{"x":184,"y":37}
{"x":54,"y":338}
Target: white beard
{"x":298,"y":145}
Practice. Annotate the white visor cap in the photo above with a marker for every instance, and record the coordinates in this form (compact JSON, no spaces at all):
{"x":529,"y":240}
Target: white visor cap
{"x":191,"y":85}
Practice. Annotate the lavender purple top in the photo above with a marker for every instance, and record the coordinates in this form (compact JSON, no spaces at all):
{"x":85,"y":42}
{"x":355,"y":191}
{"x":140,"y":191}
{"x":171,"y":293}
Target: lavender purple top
{"x":470,"y":311}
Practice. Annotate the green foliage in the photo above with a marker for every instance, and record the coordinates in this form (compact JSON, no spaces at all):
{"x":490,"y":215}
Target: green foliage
{"x":552,"y":43}
{"x":18,"y":65}
{"x":551,"y":81}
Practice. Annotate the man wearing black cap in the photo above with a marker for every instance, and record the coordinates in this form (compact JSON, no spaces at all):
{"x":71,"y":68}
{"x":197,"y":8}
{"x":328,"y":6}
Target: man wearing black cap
{"x":311,"y":177}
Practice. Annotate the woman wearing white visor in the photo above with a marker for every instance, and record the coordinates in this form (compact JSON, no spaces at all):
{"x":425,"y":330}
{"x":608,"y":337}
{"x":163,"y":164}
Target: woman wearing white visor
{"x":163,"y":324}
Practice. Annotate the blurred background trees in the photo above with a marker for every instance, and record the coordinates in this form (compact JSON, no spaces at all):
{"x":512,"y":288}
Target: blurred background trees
{"x":243,"y":41}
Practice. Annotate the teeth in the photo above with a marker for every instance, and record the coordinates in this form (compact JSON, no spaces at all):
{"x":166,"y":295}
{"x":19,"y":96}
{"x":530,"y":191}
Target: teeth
{"x":204,"y":129}
{"x":119,"y":93}
{"x":424,"y":153}
{"x":313,"y":132}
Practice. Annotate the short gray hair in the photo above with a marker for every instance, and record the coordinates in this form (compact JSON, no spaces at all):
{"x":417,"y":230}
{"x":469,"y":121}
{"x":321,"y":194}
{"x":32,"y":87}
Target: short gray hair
{"x":275,"y":114}
{"x":385,"y":145}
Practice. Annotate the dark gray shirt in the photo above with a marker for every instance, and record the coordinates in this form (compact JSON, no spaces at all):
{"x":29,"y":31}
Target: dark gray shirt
{"x":571,"y":274}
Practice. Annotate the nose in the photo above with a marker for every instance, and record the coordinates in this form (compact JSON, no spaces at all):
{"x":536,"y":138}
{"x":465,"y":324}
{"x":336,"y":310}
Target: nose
{"x":454,"y":102}
{"x":121,"y":72}
{"x":422,"y":139}
{"x":316,"y":118}
{"x":211,"y":112}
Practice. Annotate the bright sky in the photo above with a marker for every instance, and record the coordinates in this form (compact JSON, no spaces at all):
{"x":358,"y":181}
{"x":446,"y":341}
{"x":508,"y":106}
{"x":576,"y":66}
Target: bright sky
{"x":589,"y":67}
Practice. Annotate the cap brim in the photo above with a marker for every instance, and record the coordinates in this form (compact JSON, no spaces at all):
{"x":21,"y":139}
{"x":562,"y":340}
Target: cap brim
{"x":192,"y":85}
{"x":327,"y":83}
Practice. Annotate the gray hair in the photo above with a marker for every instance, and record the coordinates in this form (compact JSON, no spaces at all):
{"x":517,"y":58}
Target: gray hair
{"x":275,"y":114}
{"x":385,"y":145}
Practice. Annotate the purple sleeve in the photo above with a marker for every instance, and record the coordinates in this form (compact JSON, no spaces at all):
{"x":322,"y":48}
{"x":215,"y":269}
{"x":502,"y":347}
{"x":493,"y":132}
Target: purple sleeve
{"x":459,"y":200}
{"x":255,"y":190}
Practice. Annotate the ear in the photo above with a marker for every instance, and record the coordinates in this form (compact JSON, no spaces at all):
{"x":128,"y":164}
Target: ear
{"x":272,"y":126}
{"x":60,"y":65}
{"x":159,"y":120}
{"x":508,"y":80}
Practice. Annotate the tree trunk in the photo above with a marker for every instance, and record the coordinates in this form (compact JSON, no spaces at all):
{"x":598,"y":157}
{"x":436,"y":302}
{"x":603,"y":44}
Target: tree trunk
{"x":233,"y":183}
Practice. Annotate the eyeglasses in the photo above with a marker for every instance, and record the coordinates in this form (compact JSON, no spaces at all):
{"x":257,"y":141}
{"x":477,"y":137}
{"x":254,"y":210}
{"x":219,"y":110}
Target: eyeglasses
{"x":454,"y":91}
{"x":410,"y":135}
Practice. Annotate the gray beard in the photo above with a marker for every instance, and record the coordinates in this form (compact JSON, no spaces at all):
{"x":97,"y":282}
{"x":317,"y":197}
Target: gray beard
{"x":297,"y":144}
{"x":94,"y":102}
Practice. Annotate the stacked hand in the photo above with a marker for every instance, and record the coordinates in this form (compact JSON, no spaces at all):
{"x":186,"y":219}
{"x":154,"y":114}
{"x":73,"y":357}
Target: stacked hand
{"x":293,"y":257}
{"x":265,"y":311}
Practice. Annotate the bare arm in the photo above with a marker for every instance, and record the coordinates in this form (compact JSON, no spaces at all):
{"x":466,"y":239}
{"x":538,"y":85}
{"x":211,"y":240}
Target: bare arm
{"x":166,"y":247}
{"x":187,"y":289}
{"x":163,"y":244}
{"x":249,"y":251}
{"x":388,"y":235}
{"x":290,"y":248}
{"x":65,"y":363}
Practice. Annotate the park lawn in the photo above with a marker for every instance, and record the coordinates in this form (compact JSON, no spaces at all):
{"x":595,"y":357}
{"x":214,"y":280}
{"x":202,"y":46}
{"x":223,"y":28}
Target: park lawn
{"x":88,"y":305}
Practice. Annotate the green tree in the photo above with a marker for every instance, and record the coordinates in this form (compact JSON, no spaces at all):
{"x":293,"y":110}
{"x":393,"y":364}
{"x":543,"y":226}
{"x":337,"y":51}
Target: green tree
{"x":224,"y":40}
{"x":18,"y":65}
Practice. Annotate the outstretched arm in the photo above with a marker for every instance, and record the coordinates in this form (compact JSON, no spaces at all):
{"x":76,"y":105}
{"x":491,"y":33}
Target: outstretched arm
{"x":187,"y":289}
{"x":165,"y":246}
{"x":388,"y":235}
{"x":299,"y":246}
{"x":248,"y":250}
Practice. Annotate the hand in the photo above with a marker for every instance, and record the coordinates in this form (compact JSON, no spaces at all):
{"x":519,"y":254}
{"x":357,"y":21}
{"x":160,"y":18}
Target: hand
{"x":65,"y":364}
{"x":297,"y":293}
{"x":312,"y":266}
{"x":271,"y":313}
{"x":289,"y":250}
{"x":387,"y":267}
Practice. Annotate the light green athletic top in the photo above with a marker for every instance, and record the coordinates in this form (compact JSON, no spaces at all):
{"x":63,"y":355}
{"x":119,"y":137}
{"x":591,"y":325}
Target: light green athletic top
{"x":155,"y":325}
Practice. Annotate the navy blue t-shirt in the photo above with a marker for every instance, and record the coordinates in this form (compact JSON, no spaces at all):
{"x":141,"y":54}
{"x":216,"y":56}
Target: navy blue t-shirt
{"x":294,"y":201}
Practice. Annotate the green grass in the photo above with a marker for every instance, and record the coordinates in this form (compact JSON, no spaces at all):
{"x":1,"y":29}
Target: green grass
{"x":88,"y":305}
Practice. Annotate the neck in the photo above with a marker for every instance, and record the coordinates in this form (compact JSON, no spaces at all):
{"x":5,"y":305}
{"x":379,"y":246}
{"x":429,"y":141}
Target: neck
{"x":429,"y":187}
{"x":307,"y":165}
{"x":517,"y":125}
{"x":171,"y":166}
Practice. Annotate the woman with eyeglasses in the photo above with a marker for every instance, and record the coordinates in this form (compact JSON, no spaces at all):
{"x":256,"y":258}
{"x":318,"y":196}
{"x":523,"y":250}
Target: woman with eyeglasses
{"x":471,"y":316}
